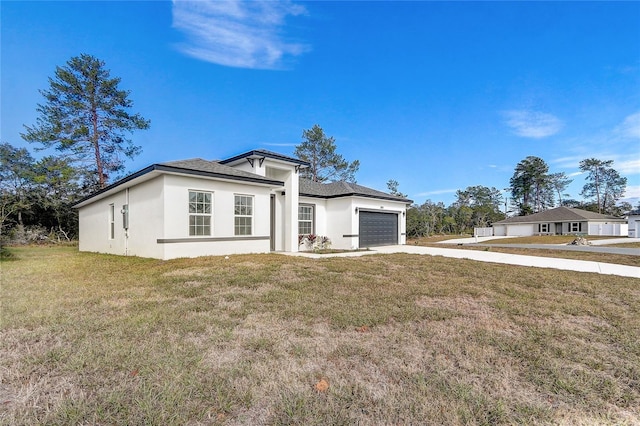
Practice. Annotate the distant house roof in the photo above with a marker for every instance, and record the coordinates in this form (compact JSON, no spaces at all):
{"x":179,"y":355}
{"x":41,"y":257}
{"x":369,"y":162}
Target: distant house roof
{"x":560,"y":214}
{"x":310,"y":188}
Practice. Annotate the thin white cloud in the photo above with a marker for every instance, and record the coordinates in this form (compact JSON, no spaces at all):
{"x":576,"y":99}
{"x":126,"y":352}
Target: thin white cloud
{"x":574,"y":174}
{"x":436,"y":192}
{"x":242,"y":34}
{"x":532,"y":124}
{"x":632,"y":192}
{"x":630,"y":127}
{"x":628,"y":167}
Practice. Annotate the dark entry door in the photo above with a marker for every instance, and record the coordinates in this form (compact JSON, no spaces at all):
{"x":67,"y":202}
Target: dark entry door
{"x":378,"y":229}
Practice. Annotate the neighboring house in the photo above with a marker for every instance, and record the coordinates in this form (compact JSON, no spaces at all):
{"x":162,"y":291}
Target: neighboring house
{"x":633,"y":219}
{"x":561,"y":221}
{"x":252,"y":203}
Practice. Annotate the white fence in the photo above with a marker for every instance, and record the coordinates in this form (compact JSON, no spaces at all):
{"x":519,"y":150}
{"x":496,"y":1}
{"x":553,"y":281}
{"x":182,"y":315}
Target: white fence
{"x":483,"y":232}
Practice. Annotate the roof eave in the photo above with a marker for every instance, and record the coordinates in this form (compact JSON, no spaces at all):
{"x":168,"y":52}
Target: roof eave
{"x":161,"y":168}
{"x":260,"y":154}
{"x":355,"y":194}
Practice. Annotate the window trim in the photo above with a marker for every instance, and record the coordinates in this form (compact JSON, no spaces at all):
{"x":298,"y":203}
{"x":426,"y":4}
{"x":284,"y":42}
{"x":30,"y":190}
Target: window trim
{"x":112,"y":221}
{"x":197,"y":214}
{"x":312,"y":220}
{"x":236,"y":216}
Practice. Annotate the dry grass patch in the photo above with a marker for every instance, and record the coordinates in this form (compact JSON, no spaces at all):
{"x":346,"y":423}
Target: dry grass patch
{"x":619,"y":259}
{"x":269,"y":339}
{"x":419,"y":241}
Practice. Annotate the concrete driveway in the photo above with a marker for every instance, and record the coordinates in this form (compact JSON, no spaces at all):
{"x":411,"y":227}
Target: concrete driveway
{"x":494,"y":257}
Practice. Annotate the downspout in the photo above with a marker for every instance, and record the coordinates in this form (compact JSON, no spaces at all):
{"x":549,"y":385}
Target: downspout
{"x":126,"y":229}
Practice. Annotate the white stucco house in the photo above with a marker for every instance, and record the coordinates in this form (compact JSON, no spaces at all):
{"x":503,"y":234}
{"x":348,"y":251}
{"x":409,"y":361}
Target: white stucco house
{"x":255,"y":202}
{"x":561,"y":221}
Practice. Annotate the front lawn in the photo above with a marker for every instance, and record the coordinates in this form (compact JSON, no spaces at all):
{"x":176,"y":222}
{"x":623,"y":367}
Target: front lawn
{"x":272,"y":339}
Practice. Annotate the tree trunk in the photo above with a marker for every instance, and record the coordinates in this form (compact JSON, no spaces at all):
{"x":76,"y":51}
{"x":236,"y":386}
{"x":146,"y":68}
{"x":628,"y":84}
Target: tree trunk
{"x":96,"y":148}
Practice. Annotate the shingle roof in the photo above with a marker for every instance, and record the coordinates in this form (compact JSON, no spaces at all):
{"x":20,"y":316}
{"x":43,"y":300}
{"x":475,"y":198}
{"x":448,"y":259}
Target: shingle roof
{"x":559,"y":214}
{"x":215,"y":169}
{"x":343,"y":189}
{"x":194,"y":166}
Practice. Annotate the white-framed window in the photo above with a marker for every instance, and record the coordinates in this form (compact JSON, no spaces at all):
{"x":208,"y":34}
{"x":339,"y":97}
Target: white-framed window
{"x":112,"y":221}
{"x":544,"y":227}
{"x":305,"y":219}
{"x":200,"y":208}
{"x":574,"y":226}
{"x":243,"y":214}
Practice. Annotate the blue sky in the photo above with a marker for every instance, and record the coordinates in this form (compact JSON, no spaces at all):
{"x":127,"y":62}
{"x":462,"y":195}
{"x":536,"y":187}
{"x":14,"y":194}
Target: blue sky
{"x":436,"y":95}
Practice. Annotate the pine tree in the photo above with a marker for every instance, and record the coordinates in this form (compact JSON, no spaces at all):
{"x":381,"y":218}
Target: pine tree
{"x":86,"y":114}
{"x":326,"y":164}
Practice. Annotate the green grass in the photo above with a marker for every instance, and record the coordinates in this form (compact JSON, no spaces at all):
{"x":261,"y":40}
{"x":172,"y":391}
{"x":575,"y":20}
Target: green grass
{"x":97,"y":339}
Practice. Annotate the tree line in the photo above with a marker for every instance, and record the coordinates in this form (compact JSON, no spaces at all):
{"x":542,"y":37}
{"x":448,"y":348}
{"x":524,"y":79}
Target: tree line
{"x":86,"y":120}
{"x":532,"y":189}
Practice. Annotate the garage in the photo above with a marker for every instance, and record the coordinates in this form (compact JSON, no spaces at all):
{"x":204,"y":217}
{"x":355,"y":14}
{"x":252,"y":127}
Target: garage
{"x":378,"y":229}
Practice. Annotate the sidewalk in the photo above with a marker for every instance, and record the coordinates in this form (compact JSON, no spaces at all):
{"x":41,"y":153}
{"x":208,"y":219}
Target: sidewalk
{"x":494,"y":257}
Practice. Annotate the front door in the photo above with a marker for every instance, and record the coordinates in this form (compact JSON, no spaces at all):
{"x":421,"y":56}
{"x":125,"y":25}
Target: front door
{"x":558,"y":228}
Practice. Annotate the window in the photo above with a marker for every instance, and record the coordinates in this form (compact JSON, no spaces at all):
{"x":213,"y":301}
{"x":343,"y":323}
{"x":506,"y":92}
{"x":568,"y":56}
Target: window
{"x":199,"y":213}
{"x":544,"y":227}
{"x":305,"y":219}
{"x":112,"y":221}
{"x":575,"y":227}
{"x":243,"y":211}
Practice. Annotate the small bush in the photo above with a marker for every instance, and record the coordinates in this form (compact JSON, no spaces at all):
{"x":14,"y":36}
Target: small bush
{"x":314,"y":242}
{"x":6,"y":254}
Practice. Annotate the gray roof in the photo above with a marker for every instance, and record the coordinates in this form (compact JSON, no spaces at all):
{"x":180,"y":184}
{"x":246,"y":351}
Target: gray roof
{"x":216,"y":169}
{"x":560,"y":214}
{"x":310,"y":188}
{"x":195,"y":167}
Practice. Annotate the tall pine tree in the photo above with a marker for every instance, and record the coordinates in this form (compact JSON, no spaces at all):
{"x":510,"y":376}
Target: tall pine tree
{"x":87,"y":115}
{"x":326,"y":164}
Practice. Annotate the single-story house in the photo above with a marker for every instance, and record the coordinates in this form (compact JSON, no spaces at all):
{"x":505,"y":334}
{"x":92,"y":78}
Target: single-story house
{"x":561,"y":221}
{"x":255,"y":202}
{"x":633,"y":220}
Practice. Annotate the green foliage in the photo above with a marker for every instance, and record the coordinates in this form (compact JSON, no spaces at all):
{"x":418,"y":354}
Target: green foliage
{"x":604,"y":183}
{"x":16,"y":180}
{"x":559,"y":182}
{"x":393,"y":185}
{"x":326,"y":164}
{"x":484,"y":206}
{"x":86,"y":115}
{"x":38,"y":193}
{"x":531,"y":186}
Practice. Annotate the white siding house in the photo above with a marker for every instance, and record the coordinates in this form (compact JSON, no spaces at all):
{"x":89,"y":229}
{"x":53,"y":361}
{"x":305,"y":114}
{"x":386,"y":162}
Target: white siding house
{"x":633,"y":220}
{"x":561,"y":221}
{"x":252,"y":203}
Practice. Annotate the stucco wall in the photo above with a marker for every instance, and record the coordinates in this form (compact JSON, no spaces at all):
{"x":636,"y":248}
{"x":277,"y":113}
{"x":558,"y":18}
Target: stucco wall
{"x":94,"y":226}
{"x":145,"y":222}
{"x":178,"y":243}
